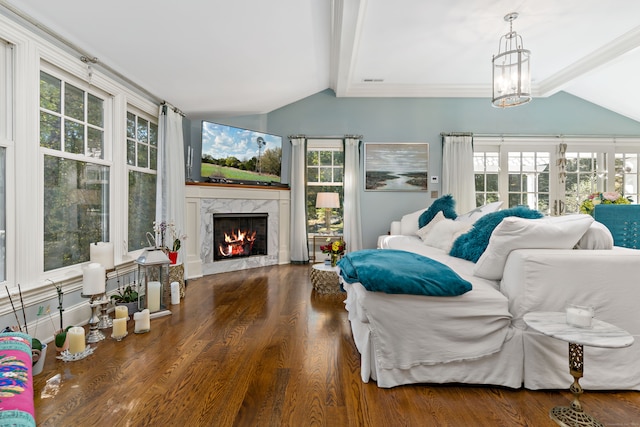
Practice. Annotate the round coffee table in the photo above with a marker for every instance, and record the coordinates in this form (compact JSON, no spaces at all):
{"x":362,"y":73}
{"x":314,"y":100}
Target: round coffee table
{"x":325,"y":279}
{"x":600,"y":334}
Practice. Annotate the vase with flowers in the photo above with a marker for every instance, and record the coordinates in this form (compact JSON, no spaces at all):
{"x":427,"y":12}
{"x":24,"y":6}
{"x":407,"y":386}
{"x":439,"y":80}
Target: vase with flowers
{"x":606,"y":198}
{"x":335,"y":250}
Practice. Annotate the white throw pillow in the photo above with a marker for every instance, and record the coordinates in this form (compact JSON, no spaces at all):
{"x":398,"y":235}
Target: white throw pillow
{"x":512,"y":233}
{"x":474,"y":214}
{"x":597,"y":236}
{"x":409,"y":223}
{"x":445,"y":232}
{"x":422,"y":233}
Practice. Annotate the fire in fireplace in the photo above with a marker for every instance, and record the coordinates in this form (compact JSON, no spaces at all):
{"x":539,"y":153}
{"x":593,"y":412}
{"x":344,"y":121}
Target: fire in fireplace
{"x":239,"y":235}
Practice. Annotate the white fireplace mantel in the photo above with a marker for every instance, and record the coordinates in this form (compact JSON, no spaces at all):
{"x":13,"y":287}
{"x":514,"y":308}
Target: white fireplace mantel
{"x":202,"y":200}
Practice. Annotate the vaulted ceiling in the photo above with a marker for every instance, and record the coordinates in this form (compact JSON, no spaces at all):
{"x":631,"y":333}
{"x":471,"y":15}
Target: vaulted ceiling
{"x":214,"y":58}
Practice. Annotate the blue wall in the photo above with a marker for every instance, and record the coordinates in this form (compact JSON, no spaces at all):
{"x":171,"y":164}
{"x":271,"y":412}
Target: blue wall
{"x":422,"y":120}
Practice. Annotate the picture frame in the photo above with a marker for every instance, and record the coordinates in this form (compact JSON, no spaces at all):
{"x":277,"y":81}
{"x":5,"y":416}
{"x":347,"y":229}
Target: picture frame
{"x":397,"y":166}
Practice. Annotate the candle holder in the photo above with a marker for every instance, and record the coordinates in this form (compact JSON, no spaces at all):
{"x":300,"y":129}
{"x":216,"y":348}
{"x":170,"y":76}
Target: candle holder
{"x":119,"y":337}
{"x":66,"y":356}
{"x":105,"y":320}
{"x":95,"y":335}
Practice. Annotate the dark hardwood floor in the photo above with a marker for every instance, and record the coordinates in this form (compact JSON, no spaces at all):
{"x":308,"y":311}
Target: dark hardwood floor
{"x":261,"y":348}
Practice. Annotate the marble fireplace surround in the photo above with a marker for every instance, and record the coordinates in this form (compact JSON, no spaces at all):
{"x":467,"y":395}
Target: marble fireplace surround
{"x":203,"y":200}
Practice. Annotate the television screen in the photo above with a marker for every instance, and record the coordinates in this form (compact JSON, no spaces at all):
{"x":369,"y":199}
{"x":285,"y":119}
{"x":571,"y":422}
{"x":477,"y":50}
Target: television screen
{"x":235,"y":155}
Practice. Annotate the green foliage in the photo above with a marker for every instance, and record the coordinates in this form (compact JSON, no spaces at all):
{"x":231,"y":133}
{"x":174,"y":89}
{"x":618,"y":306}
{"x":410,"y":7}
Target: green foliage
{"x":128,"y":294}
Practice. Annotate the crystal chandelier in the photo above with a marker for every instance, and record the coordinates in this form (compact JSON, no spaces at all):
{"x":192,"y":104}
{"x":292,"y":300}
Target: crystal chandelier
{"x":511,"y":70}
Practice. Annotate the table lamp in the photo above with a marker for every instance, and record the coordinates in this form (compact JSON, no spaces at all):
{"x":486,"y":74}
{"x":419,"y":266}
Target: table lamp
{"x":327,"y":201}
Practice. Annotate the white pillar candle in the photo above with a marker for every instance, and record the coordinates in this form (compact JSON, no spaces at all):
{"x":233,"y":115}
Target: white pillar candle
{"x":142,"y":320}
{"x":122,"y":312}
{"x":153,"y":296}
{"x":93,"y":279}
{"x":102,"y":253}
{"x":119,"y":327}
{"x":579,"y":316}
{"x":175,"y":293}
{"x":76,"y":340}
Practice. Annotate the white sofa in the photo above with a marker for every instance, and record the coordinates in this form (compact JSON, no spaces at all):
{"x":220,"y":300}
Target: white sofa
{"x":480,"y":337}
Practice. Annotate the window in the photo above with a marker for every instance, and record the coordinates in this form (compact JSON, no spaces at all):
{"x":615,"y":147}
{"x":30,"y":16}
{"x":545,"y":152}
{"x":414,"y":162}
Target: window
{"x":142,"y":155}
{"x":627,"y":177}
{"x":535,"y":173}
{"x":6,"y":140}
{"x":486,"y":165}
{"x":528,"y":174}
{"x":585,"y":174}
{"x":76,"y":180}
{"x":325,"y":169}
{"x":3,"y":216}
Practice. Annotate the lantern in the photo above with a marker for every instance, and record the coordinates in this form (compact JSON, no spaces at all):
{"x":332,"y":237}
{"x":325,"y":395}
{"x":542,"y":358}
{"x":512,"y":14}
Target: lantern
{"x":153,"y":278}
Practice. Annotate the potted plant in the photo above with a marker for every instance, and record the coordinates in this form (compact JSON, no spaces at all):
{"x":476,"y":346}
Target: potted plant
{"x":161,"y":230}
{"x":127,"y":296}
{"x":61,"y":341}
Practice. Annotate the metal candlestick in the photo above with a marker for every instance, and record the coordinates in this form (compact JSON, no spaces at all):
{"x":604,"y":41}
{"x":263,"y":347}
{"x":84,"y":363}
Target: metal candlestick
{"x":105,"y":320}
{"x":95,"y":335}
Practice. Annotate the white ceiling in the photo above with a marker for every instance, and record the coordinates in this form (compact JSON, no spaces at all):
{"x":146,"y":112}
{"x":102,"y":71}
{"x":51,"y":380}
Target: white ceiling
{"x":223,"y":57}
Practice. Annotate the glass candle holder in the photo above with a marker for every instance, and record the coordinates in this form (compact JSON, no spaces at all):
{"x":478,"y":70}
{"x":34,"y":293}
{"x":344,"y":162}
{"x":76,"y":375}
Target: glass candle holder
{"x":580,"y":316}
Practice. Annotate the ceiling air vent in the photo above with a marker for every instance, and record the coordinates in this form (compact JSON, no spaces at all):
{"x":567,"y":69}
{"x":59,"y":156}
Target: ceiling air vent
{"x":372,"y":80}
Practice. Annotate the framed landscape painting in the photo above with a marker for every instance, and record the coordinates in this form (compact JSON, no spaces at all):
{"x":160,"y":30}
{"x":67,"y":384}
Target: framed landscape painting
{"x":400,"y":166}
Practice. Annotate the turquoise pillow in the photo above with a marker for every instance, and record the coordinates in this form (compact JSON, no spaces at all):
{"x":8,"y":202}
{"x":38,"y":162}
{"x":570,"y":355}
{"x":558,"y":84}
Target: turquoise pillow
{"x":446,"y":204}
{"x":473,"y":243}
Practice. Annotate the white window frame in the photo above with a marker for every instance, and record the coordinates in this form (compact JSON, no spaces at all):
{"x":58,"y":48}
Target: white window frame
{"x":25,"y":189}
{"x":148,"y":170}
{"x":7,"y":142}
{"x":336,"y":145}
{"x":607,"y":145}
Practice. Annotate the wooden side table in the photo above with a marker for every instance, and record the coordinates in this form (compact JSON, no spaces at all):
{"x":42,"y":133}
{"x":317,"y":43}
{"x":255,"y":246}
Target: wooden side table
{"x":325,"y":279}
{"x":600,"y":334}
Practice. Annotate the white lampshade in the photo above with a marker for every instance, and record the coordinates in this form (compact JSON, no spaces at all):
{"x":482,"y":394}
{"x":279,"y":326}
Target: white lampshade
{"x":328,"y":200}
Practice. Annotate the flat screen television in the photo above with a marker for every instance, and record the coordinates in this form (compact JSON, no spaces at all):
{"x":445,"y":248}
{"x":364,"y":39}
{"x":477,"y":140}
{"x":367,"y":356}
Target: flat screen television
{"x":240,"y":156}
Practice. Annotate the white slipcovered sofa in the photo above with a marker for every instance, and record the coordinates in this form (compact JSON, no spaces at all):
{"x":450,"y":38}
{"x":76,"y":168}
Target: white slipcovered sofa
{"x":480,"y":337}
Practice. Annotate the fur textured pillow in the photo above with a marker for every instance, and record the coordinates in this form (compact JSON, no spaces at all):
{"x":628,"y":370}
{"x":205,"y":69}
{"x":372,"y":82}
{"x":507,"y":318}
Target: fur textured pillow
{"x":446,"y":204}
{"x":472,"y":244}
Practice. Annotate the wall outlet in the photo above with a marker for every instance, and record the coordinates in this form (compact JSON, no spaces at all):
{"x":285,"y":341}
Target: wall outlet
{"x":434,"y":179}
{"x":434,"y":194}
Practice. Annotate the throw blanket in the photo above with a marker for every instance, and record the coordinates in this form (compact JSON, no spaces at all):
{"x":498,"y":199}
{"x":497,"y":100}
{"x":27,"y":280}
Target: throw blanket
{"x":16,"y":386}
{"x":400,"y":272}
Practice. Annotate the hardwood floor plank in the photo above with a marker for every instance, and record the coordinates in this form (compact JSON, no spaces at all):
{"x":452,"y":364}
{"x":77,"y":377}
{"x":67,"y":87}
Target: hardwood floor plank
{"x":260,"y":348}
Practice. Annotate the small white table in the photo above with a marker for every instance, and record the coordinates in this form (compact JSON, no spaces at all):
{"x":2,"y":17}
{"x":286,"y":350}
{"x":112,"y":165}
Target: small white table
{"x":600,"y":334}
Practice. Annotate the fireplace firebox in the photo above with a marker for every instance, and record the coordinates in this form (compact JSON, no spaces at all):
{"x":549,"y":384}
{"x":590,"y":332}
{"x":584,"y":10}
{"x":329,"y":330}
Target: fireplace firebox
{"x":239,"y":235}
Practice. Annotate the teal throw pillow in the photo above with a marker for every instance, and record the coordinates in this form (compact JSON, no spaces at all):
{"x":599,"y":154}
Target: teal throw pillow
{"x":446,"y":204}
{"x":473,"y":243}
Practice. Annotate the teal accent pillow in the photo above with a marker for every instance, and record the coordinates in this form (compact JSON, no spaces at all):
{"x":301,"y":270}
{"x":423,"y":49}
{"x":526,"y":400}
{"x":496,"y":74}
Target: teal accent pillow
{"x":446,"y":204}
{"x":473,"y":243}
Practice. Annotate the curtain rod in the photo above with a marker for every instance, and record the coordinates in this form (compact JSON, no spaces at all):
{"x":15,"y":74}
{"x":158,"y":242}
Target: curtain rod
{"x":173,"y":107}
{"x":515,"y":135}
{"x":21,"y":18}
{"x":325,"y":137}
{"x":456,"y":133}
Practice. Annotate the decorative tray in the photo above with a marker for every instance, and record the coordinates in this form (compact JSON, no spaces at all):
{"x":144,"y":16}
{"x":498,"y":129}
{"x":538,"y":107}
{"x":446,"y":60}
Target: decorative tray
{"x":68,"y":357}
